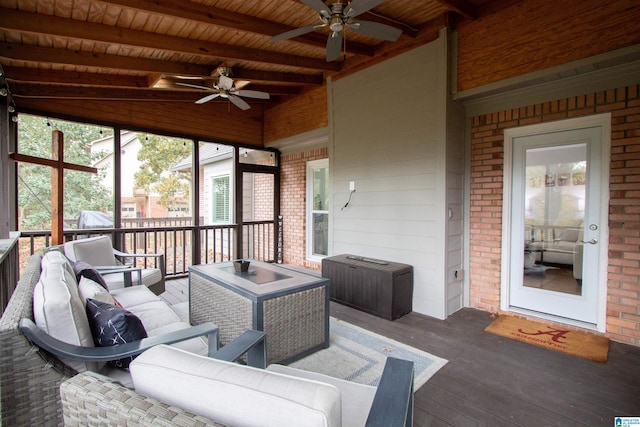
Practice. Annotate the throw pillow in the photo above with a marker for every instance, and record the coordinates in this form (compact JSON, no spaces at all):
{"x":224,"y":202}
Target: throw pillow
{"x":112,"y":325}
{"x":83,"y":269}
{"x":87,"y":288}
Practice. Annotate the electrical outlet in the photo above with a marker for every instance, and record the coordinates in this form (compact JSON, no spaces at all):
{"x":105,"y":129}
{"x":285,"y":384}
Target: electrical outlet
{"x":352,"y":186}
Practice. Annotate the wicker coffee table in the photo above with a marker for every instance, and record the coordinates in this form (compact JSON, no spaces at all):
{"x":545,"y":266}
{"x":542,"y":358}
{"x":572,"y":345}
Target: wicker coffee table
{"x":291,"y":307}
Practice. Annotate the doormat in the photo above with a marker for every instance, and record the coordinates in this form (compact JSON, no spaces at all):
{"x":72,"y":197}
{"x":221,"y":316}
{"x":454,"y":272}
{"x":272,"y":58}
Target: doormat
{"x":576,"y":343}
{"x":358,"y":355}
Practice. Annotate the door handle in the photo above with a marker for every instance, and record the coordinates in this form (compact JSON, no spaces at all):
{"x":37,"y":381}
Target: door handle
{"x":591,"y":242}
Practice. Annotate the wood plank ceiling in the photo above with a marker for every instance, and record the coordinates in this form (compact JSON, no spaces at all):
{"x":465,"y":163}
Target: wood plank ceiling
{"x":139,"y":49}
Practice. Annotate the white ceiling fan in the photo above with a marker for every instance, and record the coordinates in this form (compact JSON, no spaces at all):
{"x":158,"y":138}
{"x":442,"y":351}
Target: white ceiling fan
{"x":225,"y":88}
{"x":337,"y":18}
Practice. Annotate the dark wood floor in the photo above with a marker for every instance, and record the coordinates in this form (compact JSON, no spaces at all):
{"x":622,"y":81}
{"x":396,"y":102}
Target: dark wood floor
{"x":494,"y":381}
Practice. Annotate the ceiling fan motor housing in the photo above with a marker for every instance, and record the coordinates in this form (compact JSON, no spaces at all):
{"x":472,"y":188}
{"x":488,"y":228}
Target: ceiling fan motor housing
{"x":337,"y":21}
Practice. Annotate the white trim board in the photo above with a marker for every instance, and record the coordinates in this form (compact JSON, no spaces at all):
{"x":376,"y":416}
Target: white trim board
{"x":317,"y":138}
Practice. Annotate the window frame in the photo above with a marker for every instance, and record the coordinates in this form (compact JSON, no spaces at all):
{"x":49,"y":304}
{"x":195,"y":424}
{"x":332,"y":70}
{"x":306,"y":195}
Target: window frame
{"x":310,"y":211}
{"x":214,"y":219}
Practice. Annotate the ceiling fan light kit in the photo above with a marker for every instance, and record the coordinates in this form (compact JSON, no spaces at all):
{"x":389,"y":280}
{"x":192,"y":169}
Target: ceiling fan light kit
{"x":339,"y":17}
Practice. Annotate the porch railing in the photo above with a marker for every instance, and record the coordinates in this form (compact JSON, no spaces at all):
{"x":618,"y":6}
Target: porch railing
{"x":8,"y":270}
{"x":216,"y":242}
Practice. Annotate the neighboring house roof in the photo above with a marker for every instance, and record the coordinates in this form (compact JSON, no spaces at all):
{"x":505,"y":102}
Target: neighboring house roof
{"x":209,"y":153}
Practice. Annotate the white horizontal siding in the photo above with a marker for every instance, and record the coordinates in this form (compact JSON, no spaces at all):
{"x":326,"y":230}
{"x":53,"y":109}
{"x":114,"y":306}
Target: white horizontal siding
{"x":387,"y":129}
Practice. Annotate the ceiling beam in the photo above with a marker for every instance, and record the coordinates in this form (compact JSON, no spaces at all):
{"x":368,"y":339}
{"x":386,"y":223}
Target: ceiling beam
{"x":407,"y":30}
{"x":45,"y":91}
{"x":35,"y":23}
{"x":37,"y":54}
{"x":494,"y":6}
{"x":462,"y":7}
{"x":105,"y":61}
{"x":170,"y":83}
{"x":228,"y":19}
{"x":28,"y":74}
{"x":274,"y":76}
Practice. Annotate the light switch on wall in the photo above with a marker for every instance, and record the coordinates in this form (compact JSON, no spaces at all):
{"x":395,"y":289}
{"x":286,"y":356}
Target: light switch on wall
{"x":352,"y":185}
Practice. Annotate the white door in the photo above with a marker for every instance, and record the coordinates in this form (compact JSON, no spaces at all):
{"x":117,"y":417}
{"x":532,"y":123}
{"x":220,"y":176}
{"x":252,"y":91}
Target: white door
{"x":555,"y":224}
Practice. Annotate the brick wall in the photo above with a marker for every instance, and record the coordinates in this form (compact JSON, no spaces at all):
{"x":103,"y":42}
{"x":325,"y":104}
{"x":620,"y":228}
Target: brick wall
{"x":293,"y":205}
{"x":487,"y":150}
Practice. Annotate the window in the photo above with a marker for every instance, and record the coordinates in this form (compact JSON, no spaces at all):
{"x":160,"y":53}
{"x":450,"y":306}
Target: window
{"x":220,"y":199}
{"x":317,"y":209}
{"x":128,"y":210}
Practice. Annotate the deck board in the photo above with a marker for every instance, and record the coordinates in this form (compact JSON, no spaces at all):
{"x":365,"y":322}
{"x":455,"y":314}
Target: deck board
{"x":494,"y":381}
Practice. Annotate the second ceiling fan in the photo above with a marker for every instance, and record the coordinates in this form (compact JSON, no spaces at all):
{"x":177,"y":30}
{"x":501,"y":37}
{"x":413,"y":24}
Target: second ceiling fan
{"x":337,"y":18}
{"x":225,"y":88}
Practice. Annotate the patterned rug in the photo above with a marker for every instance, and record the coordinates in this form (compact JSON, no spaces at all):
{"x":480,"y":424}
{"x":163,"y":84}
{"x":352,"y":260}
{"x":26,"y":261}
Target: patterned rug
{"x":358,"y":355}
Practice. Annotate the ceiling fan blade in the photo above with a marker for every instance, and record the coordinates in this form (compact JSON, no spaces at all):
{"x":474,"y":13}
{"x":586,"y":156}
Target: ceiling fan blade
{"x":239,"y":102}
{"x":296,"y":33}
{"x":357,"y":7}
{"x":194,"y":86}
{"x":252,"y":94}
{"x":207,"y":98}
{"x":376,"y":29}
{"x":334,"y":46}
{"x":319,"y":6}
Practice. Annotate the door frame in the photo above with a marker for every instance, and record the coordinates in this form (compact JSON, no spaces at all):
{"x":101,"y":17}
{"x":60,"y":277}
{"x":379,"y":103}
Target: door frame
{"x":604,"y":122}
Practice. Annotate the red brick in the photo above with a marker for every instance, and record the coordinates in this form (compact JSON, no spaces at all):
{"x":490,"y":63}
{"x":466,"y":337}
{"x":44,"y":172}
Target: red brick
{"x":624,"y":227}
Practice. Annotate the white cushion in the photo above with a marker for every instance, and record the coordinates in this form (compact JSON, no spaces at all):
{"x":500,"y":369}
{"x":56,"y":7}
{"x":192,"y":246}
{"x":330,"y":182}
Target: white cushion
{"x":58,"y":310}
{"x":149,"y":277}
{"x":97,"y":251}
{"x":233,"y":394}
{"x":54,"y":257}
{"x":157,"y":317}
{"x":356,"y":398}
{"x":134,"y":295}
{"x":90,"y":289}
{"x":154,"y":314}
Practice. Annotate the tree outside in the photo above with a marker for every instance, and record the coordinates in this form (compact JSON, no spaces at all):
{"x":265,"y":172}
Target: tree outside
{"x":158,"y":154}
{"x":82,"y":191}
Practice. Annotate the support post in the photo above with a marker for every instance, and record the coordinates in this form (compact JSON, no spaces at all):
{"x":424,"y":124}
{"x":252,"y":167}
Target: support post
{"x":57,"y":189}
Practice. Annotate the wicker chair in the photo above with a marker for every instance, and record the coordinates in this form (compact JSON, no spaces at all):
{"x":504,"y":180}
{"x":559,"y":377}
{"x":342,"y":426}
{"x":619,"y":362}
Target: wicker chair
{"x":98,"y":252}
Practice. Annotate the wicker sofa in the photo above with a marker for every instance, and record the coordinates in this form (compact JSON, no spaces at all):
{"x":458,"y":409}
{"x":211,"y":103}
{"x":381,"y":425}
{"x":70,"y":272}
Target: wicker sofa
{"x":30,"y":375}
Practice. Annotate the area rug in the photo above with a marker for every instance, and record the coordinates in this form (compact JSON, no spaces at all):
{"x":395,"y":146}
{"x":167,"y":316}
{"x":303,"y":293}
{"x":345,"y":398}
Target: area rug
{"x":576,"y":343}
{"x":358,"y":355}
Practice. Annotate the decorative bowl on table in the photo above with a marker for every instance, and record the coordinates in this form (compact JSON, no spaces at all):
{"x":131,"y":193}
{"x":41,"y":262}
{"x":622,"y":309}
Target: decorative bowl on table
{"x":241,"y":265}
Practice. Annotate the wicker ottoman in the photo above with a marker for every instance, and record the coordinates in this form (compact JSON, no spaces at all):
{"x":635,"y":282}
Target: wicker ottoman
{"x":291,"y":307}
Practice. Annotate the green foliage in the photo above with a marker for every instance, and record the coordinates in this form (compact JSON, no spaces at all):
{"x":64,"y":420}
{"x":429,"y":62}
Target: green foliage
{"x":158,"y":155}
{"x":82,"y":191}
